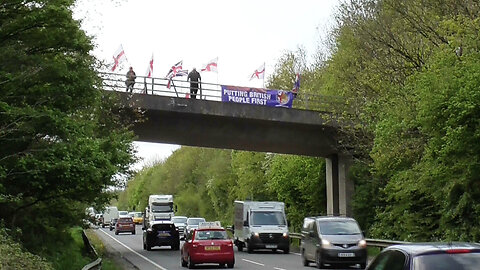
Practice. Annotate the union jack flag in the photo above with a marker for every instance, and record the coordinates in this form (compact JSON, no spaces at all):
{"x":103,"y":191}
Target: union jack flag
{"x":175,"y":71}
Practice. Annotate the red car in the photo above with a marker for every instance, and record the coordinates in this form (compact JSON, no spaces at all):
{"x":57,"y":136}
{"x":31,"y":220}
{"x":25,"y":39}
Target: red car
{"x":207,"y":244}
{"x":124,"y":224}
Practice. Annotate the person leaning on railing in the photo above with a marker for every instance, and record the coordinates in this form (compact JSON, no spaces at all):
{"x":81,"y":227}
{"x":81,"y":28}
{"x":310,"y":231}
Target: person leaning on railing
{"x":130,"y":82}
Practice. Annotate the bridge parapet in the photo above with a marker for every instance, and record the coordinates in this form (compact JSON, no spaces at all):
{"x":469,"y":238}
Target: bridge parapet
{"x":208,"y":91}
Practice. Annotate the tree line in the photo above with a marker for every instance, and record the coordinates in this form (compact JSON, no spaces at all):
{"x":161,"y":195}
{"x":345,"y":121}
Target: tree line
{"x":407,"y":75}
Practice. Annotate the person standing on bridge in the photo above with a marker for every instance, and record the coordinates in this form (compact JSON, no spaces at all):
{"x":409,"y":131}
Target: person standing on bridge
{"x":195,"y":82}
{"x":130,"y":82}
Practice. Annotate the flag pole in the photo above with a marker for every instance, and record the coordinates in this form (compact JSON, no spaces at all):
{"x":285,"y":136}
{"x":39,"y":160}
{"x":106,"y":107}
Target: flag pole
{"x":264,"y":68}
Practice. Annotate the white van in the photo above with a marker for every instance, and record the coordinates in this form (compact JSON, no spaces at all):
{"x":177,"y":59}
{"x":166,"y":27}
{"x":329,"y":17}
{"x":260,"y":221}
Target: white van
{"x":110,"y":215}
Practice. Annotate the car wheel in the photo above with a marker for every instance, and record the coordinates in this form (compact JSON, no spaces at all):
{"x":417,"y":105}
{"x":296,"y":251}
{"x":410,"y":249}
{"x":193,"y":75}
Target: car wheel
{"x":240,"y":246}
{"x":249,"y":247}
{"x":147,"y":246}
{"x":191,"y":265}
{"x":116,"y":232}
{"x":363,"y":265}
{"x":318,"y":260}
{"x":274,"y":250}
{"x":133,"y":232}
{"x":230,"y":265}
{"x":286,"y":251}
{"x":304,"y":260}
{"x":221,"y":265}
{"x":184,"y":263}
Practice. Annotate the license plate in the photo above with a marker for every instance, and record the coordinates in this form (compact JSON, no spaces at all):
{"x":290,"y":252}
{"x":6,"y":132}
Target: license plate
{"x":346,"y":254}
{"x":212,"y":248}
{"x":270,"y":246}
{"x":163,"y":234}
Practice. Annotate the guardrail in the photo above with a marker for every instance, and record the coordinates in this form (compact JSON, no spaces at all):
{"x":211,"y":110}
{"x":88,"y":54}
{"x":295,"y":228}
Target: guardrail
{"x":97,"y":264}
{"x":207,"y":91}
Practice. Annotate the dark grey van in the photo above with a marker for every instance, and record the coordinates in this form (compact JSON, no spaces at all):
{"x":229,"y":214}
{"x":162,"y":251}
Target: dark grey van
{"x":336,"y":241}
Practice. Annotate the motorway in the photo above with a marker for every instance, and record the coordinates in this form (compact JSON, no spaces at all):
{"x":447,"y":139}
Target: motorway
{"x":131,"y":248}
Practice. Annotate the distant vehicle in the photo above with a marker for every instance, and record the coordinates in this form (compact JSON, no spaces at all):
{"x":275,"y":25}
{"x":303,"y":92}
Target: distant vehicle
{"x":428,"y":256}
{"x":160,"y":207}
{"x":181,"y":224}
{"x":161,"y":233}
{"x":260,"y":225}
{"x":99,"y":219}
{"x":137,"y":217}
{"x":110,"y":215}
{"x":125,"y":224}
{"x":123,"y":213}
{"x":192,"y":223}
{"x":333,"y":241}
{"x":207,"y":244}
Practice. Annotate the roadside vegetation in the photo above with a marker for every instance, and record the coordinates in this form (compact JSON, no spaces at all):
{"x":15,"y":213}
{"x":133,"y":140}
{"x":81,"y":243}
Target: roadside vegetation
{"x":406,"y":73}
{"x":405,"y":77}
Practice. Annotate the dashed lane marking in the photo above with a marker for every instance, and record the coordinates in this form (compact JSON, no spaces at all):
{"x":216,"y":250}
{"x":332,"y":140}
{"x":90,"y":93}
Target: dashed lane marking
{"x":276,"y":268}
{"x":140,"y":255}
{"x":257,"y":263}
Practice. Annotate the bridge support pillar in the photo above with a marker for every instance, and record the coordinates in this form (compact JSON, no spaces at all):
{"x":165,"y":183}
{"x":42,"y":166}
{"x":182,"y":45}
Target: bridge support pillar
{"x":339,"y":186}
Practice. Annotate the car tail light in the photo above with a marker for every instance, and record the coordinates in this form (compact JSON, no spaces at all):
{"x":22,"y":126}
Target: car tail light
{"x":457,"y":251}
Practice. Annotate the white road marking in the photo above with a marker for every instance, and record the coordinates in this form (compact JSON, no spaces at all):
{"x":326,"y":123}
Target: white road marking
{"x":257,"y":263}
{"x":140,"y":255}
{"x":296,"y":253}
{"x":278,"y":268}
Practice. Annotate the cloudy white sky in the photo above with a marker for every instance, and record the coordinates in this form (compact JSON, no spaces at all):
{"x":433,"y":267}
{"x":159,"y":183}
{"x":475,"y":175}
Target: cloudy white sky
{"x":243,"y":34}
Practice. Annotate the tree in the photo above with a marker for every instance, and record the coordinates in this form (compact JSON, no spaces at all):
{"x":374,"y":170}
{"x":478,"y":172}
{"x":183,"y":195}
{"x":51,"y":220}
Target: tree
{"x":62,"y":139}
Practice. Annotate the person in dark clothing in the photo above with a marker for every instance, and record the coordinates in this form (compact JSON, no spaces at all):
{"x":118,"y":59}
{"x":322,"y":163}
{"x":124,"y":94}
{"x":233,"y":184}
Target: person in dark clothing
{"x":130,"y":82}
{"x":195,"y":82}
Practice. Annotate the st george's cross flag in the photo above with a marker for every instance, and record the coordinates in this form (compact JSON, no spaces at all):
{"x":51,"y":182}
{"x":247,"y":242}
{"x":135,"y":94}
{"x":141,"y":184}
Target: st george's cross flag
{"x":118,"y":57}
{"x":149,"y":72}
{"x":259,"y":73}
{"x":211,"y":66}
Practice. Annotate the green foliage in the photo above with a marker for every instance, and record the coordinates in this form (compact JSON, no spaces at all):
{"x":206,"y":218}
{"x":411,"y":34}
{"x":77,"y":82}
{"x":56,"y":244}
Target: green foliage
{"x":15,"y":257}
{"x":62,"y":140}
{"x":299,"y":182}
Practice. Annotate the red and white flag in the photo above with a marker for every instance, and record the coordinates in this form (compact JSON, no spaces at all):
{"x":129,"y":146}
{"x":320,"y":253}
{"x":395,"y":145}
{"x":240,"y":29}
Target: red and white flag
{"x":149,"y":72}
{"x":211,"y":66}
{"x":259,"y":73}
{"x":118,"y":57}
{"x":176,"y":70}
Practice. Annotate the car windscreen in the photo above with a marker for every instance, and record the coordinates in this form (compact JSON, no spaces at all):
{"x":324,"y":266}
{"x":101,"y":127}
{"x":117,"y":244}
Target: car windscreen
{"x":163,"y":227}
{"x":267,"y":218}
{"x":195,"y":221}
{"x":179,"y":220}
{"x":123,"y":213}
{"x":210,"y":235}
{"x":444,"y":261}
{"x":339,"y":227}
{"x":138,"y":215}
{"x":162,"y":207}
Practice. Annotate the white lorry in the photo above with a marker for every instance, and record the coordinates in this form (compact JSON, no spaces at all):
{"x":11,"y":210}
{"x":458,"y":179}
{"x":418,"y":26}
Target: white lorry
{"x":160,"y":207}
{"x":260,"y":225}
{"x":110,"y":216}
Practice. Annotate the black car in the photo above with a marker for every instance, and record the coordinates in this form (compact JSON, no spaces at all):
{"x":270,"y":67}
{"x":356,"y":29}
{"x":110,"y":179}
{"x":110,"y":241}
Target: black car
{"x":161,"y":233}
{"x":428,"y":256}
{"x":336,"y":241}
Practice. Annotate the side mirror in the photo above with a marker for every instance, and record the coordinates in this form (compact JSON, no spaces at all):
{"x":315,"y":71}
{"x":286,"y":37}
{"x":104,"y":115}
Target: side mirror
{"x":245,"y":223}
{"x":311,"y":234}
{"x":175,"y":207}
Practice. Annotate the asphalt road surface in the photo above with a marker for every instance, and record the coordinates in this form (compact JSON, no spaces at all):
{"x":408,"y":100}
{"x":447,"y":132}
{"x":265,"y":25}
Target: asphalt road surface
{"x":130,"y":247}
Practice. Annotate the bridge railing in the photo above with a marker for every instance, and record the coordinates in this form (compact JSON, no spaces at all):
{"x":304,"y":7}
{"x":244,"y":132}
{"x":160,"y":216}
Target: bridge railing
{"x":208,"y":91}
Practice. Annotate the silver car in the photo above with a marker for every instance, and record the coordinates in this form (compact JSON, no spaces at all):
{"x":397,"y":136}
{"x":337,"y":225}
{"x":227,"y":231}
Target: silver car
{"x":181,"y":224}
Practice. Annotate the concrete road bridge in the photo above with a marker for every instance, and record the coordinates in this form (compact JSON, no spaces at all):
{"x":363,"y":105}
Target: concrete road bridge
{"x":306,"y":129}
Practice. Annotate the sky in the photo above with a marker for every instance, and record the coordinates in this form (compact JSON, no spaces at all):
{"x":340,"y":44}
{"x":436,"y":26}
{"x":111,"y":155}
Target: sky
{"x":243,"y":34}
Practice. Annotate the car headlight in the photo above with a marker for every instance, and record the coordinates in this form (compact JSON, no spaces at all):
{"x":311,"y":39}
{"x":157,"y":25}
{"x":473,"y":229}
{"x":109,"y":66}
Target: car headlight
{"x":285,"y":234}
{"x":326,"y":243}
{"x":362,"y":243}
{"x":255,"y":234}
